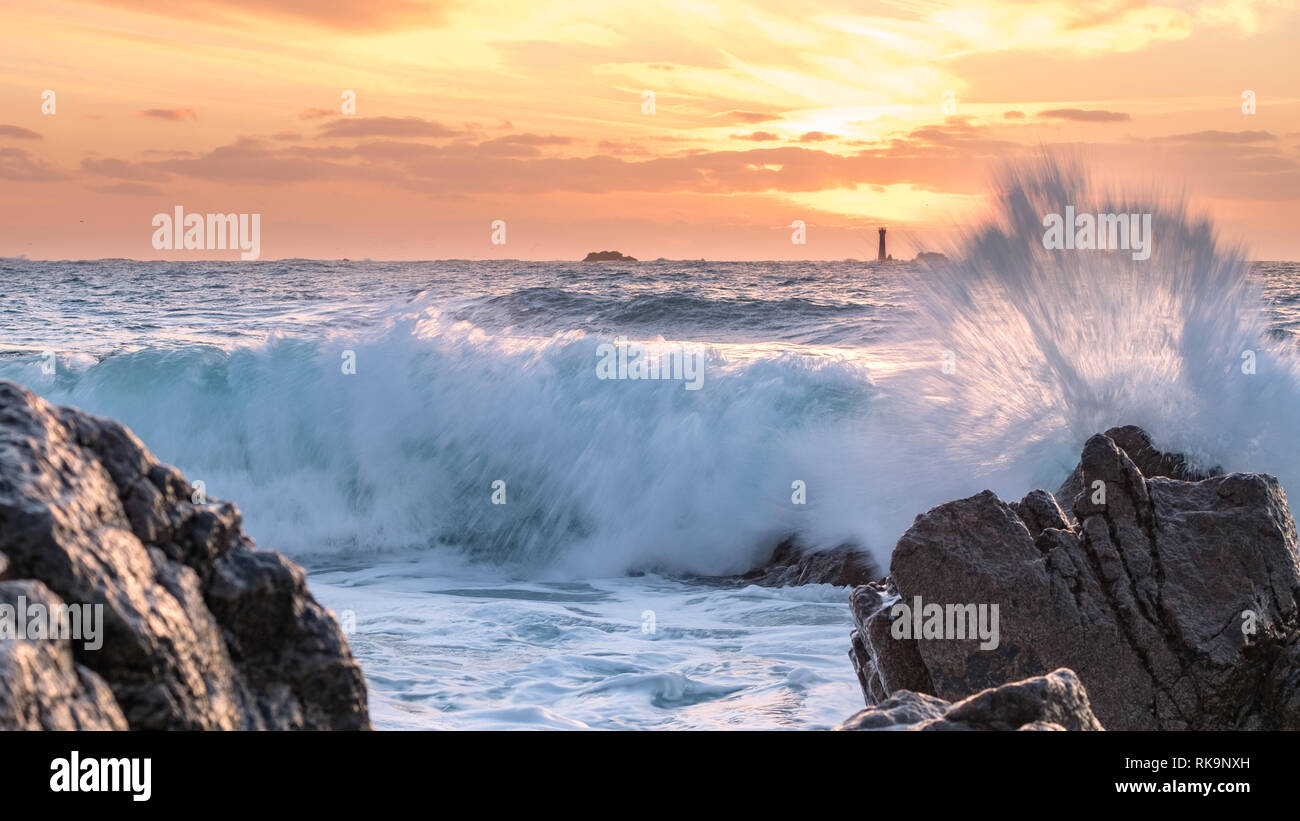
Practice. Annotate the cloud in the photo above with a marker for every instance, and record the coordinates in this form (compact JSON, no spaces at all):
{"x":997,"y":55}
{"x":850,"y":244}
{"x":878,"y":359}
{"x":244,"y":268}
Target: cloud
{"x":316,"y":113}
{"x":1014,"y":115}
{"x":18,"y":132}
{"x":129,"y":189}
{"x":815,"y":137}
{"x":622,"y":147}
{"x":938,"y":158}
{"x":121,"y":170}
{"x":952,"y":157}
{"x":342,"y":15}
{"x":1263,"y":171}
{"x":171,"y":114}
{"x":756,"y":136}
{"x":386,"y":127}
{"x":521,"y":145}
{"x":533,"y":139}
{"x":1085,"y":115}
{"x":751,"y":116}
{"x":17,"y":164}
{"x":955,"y":134}
{"x":1220,"y":137}
{"x":252,"y":161}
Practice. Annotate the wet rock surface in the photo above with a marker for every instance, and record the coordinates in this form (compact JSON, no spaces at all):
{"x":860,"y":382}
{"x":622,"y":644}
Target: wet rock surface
{"x":42,"y":687}
{"x":1056,"y":701}
{"x":1149,"y":461}
{"x":200,"y":629}
{"x":1174,"y":601}
{"x":791,"y":564}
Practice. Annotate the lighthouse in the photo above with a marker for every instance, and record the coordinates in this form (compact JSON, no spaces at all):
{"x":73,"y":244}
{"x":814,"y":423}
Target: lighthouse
{"x":880,"y":257}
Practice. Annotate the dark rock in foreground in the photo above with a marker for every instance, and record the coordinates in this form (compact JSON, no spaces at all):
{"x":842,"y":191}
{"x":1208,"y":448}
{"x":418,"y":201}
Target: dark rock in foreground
{"x":200,"y":630}
{"x":1176,"y":602}
{"x":41,"y":686}
{"x":792,"y":565}
{"x":1056,"y":701}
{"x":607,"y":256}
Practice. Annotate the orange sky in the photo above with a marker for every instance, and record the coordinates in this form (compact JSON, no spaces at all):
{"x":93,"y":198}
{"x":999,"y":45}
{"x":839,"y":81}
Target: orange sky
{"x":831,"y":112}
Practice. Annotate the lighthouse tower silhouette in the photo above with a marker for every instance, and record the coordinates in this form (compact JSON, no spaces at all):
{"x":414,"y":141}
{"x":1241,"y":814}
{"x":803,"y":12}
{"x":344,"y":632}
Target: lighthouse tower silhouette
{"x":881,"y":256}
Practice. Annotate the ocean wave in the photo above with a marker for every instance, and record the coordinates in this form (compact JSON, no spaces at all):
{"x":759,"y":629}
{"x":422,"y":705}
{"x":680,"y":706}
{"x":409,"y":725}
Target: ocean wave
{"x":1047,"y":347}
{"x":904,"y":389}
{"x":714,"y":316}
{"x":601,"y":476}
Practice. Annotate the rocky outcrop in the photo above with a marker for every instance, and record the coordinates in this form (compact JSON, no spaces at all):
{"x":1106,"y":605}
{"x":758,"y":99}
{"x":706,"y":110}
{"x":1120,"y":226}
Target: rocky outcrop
{"x":1150,"y":462}
{"x":1056,"y":701}
{"x":200,"y":630}
{"x":1175,"y":602}
{"x":884,"y":664}
{"x":607,"y":256}
{"x":791,"y":564}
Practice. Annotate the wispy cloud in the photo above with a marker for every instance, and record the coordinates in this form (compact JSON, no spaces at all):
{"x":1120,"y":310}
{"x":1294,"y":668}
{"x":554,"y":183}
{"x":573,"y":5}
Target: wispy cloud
{"x":752,"y":117}
{"x":121,"y":170}
{"x":17,"y":164}
{"x":386,"y":127}
{"x":1085,"y":115}
{"x":343,"y":15}
{"x":171,"y":114}
{"x":127,"y":189}
{"x":1221,"y":137}
{"x":18,"y":132}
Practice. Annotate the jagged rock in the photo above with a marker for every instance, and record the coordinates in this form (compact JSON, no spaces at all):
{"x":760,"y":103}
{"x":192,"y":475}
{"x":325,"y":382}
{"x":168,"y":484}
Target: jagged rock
{"x":1039,"y":511}
{"x":607,"y":256}
{"x":41,"y":686}
{"x":903,"y":710}
{"x":1147,"y":597}
{"x":792,"y":565}
{"x":201,"y":630}
{"x":1150,"y":462}
{"x":899,"y":665}
{"x":1056,"y":701}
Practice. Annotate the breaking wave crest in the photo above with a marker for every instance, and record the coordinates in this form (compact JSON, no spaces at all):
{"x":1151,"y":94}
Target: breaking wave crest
{"x":604,"y":477}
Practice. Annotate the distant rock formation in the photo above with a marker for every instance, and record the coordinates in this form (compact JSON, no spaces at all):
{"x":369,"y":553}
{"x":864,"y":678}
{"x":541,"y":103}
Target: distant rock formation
{"x":607,"y":256}
{"x":931,"y":257}
{"x":200,"y":630}
{"x":1176,"y":602}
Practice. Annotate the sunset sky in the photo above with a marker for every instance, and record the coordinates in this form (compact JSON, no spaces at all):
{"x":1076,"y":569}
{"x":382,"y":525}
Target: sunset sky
{"x":831,"y":112}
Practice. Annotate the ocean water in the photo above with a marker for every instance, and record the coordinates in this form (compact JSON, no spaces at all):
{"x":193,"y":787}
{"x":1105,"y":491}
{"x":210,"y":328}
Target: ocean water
{"x":587,"y":599}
